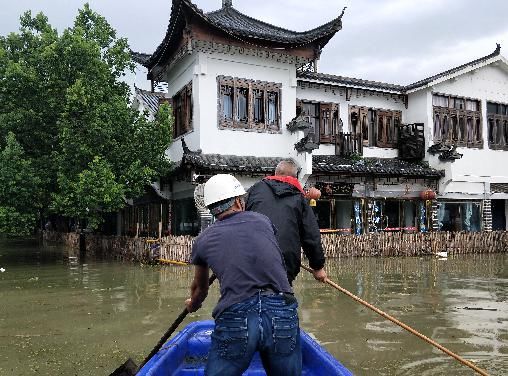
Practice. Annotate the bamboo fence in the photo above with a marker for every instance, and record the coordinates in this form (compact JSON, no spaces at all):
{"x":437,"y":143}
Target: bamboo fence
{"x":389,"y":244}
{"x":177,"y":248}
{"x":69,"y":239}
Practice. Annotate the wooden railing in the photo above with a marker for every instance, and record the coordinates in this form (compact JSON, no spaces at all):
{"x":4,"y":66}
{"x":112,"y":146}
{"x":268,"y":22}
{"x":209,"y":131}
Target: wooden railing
{"x":411,"y":141}
{"x":347,"y":144}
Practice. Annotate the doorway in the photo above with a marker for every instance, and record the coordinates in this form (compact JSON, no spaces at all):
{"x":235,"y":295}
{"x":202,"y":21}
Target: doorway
{"x":498,"y":208}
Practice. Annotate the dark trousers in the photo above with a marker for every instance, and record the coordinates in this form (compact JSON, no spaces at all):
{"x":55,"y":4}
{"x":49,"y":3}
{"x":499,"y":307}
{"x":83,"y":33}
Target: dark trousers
{"x":264,"y":323}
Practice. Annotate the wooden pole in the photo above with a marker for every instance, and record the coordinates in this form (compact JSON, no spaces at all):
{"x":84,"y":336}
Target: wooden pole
{"x":129,"y":367}
{"x":175,"y":262}
{"x":160,"y":224}
{"x":401,"y":324}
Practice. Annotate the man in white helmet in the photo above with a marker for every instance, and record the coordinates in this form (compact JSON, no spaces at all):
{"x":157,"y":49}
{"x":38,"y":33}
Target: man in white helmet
{"x":256,"y":310}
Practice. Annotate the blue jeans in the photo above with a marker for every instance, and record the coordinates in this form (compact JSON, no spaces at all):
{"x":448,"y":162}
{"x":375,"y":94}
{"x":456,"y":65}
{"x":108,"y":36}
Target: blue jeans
{"x":264,"y":323}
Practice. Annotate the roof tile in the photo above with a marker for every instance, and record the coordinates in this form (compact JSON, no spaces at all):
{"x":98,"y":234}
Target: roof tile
{"x":380,"y":167}
{"x":372,"y":166}
{"x":149,"y":99}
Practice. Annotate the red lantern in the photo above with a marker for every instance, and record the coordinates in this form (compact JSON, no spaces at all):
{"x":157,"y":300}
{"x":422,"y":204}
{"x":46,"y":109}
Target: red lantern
{"x":313,"y":194}
{"x":428,"y":194}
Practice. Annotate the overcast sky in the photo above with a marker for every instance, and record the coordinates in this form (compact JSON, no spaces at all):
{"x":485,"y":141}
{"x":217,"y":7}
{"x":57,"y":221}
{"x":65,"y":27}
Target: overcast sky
{"x":394,"y":41}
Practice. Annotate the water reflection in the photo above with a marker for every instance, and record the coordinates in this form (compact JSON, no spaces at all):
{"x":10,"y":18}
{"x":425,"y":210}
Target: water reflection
{"x":429,"y":295}
{"x":62,"y":315}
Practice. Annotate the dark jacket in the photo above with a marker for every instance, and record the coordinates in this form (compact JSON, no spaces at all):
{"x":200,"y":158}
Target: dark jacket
{"x":296,"y":224}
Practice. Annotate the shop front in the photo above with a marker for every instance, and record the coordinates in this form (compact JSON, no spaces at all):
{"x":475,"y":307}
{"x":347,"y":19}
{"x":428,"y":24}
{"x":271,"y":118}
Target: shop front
{"x":455,"y":215}
{"x":348,"y":215}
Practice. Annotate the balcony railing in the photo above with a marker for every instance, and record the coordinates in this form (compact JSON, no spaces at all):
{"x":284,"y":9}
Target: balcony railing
{"x":411,"y":141}
{"x":347,"y":144}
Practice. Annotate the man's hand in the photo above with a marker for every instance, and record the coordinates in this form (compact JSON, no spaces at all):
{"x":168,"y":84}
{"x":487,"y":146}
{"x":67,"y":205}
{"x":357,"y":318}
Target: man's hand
{"x":320,"y":274}
{"x":190,"y":307}
{"x":199,"y":289}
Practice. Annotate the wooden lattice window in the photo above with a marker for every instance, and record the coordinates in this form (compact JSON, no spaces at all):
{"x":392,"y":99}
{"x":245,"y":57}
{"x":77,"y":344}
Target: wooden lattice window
{"x":242,"y":105}
{"x":226,"y":93}
{"x":378,"y":127}
{"x":259,"y":106}
{"x":182,"y":111}
{"x":273,"y":110}
{"x":499,"y":187}
{"x":497,"y":119}
{"x":248,"y":104}
{"x":457,"y":120}
{"x":324,"y":117}
{"x":388,"y":123}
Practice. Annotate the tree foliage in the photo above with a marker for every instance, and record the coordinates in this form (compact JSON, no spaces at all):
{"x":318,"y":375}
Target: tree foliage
{"x":19,"y":190}
{"x":62,"y":97}
{"x":93,"y":191}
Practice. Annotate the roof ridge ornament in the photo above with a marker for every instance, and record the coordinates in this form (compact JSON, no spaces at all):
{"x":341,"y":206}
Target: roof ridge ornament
{"x":186,"y":149}
{"x":227,"y":3}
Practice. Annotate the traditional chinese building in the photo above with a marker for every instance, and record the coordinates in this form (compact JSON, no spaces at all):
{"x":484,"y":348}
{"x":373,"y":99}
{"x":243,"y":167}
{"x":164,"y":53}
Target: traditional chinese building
{"x":246,"y":94}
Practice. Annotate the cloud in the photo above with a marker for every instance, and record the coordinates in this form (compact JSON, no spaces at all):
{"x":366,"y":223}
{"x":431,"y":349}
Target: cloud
{"x":396,"y":41}
{"x":396,"y":11}
{"x":411,"y":40}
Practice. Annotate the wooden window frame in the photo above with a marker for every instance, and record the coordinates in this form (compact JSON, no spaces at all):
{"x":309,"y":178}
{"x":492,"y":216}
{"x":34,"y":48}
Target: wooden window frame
{"x":327,"y":124}
{"x":378,"y":127}
{"x":182,"y":105}
{"x":272,"y":122}
{"x":254,"y":90}
{"x":390,"y":120}
{"x":454,"y":123}
{"x":259,"y":106}
{"x":497,"y":125}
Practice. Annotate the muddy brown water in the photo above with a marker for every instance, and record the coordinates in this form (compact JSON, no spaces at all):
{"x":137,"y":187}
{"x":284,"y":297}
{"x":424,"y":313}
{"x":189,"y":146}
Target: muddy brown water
{"x":64,"y":316}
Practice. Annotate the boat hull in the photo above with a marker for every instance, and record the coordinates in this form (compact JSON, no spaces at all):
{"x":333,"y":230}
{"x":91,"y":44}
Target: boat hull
{"x":186,"y":354}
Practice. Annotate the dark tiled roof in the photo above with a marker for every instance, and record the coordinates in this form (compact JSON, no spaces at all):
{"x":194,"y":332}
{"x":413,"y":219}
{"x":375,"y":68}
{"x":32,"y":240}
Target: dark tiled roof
{"x":238,"y":26}
{"x":392,"y":87}
{"x":139,"y":57}
{"x":230,"y":163}
{"x":349,"y":81}
{"x":321,"y":164}
{"x":149,"y":99}
{"x":228,"y":18}
{"x":428,"y":80}
{"x":379,"y":167}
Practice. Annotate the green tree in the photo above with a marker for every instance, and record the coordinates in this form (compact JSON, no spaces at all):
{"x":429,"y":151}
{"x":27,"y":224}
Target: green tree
{"x":93,"y":191}
{"x":19,"y":190}
{"x":63,"y":98}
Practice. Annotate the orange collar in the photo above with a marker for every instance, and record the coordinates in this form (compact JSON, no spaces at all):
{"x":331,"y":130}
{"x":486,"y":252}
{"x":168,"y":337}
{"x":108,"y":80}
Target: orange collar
{"x":289,"y":180}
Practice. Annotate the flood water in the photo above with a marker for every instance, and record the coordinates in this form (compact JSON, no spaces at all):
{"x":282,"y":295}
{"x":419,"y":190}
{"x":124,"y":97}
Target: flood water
{"x":62,"y":316}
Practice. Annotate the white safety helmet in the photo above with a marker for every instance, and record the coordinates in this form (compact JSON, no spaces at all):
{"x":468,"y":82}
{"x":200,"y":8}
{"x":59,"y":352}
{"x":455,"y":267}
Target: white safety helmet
{"x":221,"y":187}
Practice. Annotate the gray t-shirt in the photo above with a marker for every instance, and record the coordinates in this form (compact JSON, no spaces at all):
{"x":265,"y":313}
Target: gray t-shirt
{"x":242,"y":251}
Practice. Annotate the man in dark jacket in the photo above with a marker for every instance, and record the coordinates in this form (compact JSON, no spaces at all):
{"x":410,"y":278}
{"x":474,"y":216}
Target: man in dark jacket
{"x":281,"y":198}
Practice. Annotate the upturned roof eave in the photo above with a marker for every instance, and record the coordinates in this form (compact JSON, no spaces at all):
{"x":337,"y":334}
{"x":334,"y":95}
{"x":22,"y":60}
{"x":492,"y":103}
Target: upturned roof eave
{"x":456,"y":71}
{"x":407,"y":89}
{"x":291,"y":39}
{"x":321,"y":34}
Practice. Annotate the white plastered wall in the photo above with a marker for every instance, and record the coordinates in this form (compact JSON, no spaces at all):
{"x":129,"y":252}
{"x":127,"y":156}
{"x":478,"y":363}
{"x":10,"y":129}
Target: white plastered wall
{"x":470,"y":176}
{"x":211,"y":140}
{"x":179,"y":76}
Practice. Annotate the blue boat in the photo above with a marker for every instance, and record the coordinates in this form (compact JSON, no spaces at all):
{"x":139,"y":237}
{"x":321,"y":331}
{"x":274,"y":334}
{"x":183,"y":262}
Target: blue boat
{"x":186,"y":354}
